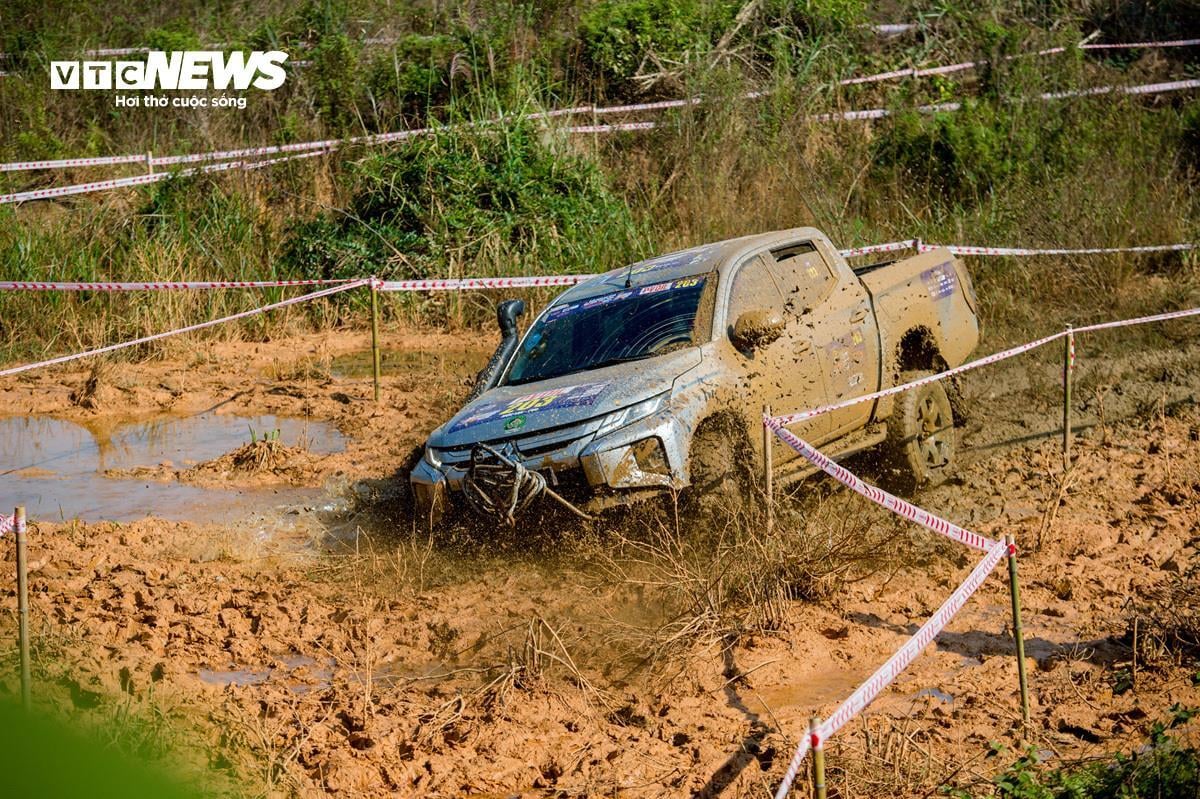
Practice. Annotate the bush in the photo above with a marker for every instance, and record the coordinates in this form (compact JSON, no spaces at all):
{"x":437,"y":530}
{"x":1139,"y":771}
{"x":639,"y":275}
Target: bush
{"x":619,"y":36}
{"x":335,"y":80}
{"x":473,"y":200}
{"x":969,"y":152}
{"x":819,"y":16}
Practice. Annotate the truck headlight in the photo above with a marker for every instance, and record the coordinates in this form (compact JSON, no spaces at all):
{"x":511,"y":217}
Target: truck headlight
{"x":640,"y":410}
{"x":432,"y":457}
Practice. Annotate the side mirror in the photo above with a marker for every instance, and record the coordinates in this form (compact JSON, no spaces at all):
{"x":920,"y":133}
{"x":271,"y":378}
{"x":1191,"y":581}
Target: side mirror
{"x":756,"y":328}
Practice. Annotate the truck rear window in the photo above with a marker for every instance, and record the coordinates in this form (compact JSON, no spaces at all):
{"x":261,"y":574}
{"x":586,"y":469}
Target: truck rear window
{"x":627,"y":325}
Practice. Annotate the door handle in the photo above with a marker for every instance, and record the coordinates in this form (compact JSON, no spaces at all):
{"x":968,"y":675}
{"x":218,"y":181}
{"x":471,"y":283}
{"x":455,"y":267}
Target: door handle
{"x":858,"y":316}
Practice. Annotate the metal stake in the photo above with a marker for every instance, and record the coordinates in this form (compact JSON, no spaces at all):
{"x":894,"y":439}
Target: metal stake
{"x":768,"y":481}
{"x":818,"y":759}
{"x":375,"y":365}
{"x":1068,"y":372}
{"x":22,"y":604}
{"x":1014,"y":589}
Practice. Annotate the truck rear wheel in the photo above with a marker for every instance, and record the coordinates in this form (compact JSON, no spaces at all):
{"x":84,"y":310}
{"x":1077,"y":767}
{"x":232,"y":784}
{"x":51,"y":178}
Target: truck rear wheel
{"x":921,"y":434}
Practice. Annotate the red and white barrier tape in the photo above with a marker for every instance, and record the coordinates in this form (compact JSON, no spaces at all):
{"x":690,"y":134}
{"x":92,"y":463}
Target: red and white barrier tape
{"x":792,"y":418}
{"x":1141,"y":320}
{"x":891,"y":246}
{"x":946,"y":69}
{"x":141,"y":180}
{"x":969,"y":249}
{"x":476,"y":283}
{"x":190,"y":328}
{"x":105,"y":185}
{"x":66,"y":163}
{"x":6,"y":523}
{"x":1140,"y":45}
{"x":913,"y":72}
{"x":893,"y":503}
{"x":1146,"y":88}
{"x":897,"y":663}
{"x":179,"y":285}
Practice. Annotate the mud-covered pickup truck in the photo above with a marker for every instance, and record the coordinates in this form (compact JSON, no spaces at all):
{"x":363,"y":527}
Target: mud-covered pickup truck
{"x":654,"y":377}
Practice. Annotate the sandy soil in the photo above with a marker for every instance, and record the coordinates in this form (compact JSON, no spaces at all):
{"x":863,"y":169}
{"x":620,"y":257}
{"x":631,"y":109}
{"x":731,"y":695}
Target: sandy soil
{"x":385,"y":662}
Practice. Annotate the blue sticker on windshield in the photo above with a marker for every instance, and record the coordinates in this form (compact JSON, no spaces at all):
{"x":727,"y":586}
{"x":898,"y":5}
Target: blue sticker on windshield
{"x":549,"y":399}
{"x":560,"y":311}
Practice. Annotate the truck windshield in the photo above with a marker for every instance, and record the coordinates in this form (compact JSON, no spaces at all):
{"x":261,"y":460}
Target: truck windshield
{"x":623,"y":326}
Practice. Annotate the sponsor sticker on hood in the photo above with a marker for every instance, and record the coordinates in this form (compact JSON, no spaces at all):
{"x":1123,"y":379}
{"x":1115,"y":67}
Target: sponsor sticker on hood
{"x":518,"y":407}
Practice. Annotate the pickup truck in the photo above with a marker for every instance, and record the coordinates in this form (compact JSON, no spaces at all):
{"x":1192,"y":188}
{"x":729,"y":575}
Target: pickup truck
{"x":653,"y":378}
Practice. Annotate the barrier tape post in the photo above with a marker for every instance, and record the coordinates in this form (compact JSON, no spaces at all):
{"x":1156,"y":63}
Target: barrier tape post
{"x":22,"y":604}
{"x":1014,"y":588}
{"x":1068,"y":375}
{"x":818,"y":758}
{"x":375,"y":365}
{"x":768,"y":478}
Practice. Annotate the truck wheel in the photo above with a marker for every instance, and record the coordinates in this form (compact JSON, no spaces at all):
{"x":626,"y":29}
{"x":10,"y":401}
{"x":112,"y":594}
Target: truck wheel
{"x":921,"y":434}
{"x":719,"y":464}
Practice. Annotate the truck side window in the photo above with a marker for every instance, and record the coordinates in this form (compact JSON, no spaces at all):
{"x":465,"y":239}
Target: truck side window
{"x":755,"y":288}
{"x":804,"y":278}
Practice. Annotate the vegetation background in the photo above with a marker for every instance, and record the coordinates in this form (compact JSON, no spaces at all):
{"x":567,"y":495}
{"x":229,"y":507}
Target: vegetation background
{"x":520,"y":197}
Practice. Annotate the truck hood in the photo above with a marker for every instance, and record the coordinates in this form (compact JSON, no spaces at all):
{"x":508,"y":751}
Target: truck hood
{"x":508,"y":411}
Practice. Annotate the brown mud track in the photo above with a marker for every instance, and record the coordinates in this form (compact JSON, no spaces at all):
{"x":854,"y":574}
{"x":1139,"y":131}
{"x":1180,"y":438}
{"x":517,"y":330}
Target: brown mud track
{"x":384,"y":661}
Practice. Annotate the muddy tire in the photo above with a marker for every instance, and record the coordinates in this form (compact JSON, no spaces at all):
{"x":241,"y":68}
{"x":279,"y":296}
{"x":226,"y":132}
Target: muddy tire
{"x":922,"y":439}
{"x":720,"y":471}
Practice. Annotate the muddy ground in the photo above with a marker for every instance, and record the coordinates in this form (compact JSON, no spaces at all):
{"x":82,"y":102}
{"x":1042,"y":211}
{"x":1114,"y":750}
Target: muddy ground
{"x":335,"y":647}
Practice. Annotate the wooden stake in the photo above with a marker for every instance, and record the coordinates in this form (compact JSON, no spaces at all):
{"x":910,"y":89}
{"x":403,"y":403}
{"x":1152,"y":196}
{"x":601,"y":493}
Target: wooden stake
{"x":768,"y":480}
{"x":818,"y":759}
{"x":149,"y":162}
{"x":375,"y":363}
{"x":22,"y":604}
{"x":1014,"y":589}
{"x":1068,"y":373}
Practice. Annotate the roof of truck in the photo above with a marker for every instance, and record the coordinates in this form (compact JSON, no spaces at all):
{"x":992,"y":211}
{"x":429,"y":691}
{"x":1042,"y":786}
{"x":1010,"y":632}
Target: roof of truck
{"x":682,"y":263}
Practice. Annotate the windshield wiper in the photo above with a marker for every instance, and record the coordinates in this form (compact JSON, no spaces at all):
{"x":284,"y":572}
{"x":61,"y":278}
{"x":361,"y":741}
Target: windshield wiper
{"x":615,"y":361}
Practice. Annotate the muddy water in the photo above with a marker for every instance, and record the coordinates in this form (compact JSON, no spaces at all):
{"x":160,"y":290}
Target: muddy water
{"x":56,"y":467}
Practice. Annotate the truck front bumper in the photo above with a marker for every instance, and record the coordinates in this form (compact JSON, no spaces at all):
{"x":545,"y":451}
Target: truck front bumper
{"x":595,"y":471}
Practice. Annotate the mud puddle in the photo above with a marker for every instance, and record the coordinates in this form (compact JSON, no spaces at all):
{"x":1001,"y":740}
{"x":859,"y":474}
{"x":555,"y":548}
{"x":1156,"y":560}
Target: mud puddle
{"x":56,"y":467}
{"x":465,"y":363}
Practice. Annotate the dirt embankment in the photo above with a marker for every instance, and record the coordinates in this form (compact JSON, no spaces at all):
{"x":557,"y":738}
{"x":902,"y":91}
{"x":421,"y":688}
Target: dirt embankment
{"x":403,"y":664}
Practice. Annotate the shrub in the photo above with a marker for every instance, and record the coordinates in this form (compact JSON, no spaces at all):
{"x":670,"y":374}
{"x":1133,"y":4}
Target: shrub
{"x":335,"y":80}
{"x":969,"y":152}
{"x":818,"y":16}
{"x":474,"y":198}
{"x":619,"y":36}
